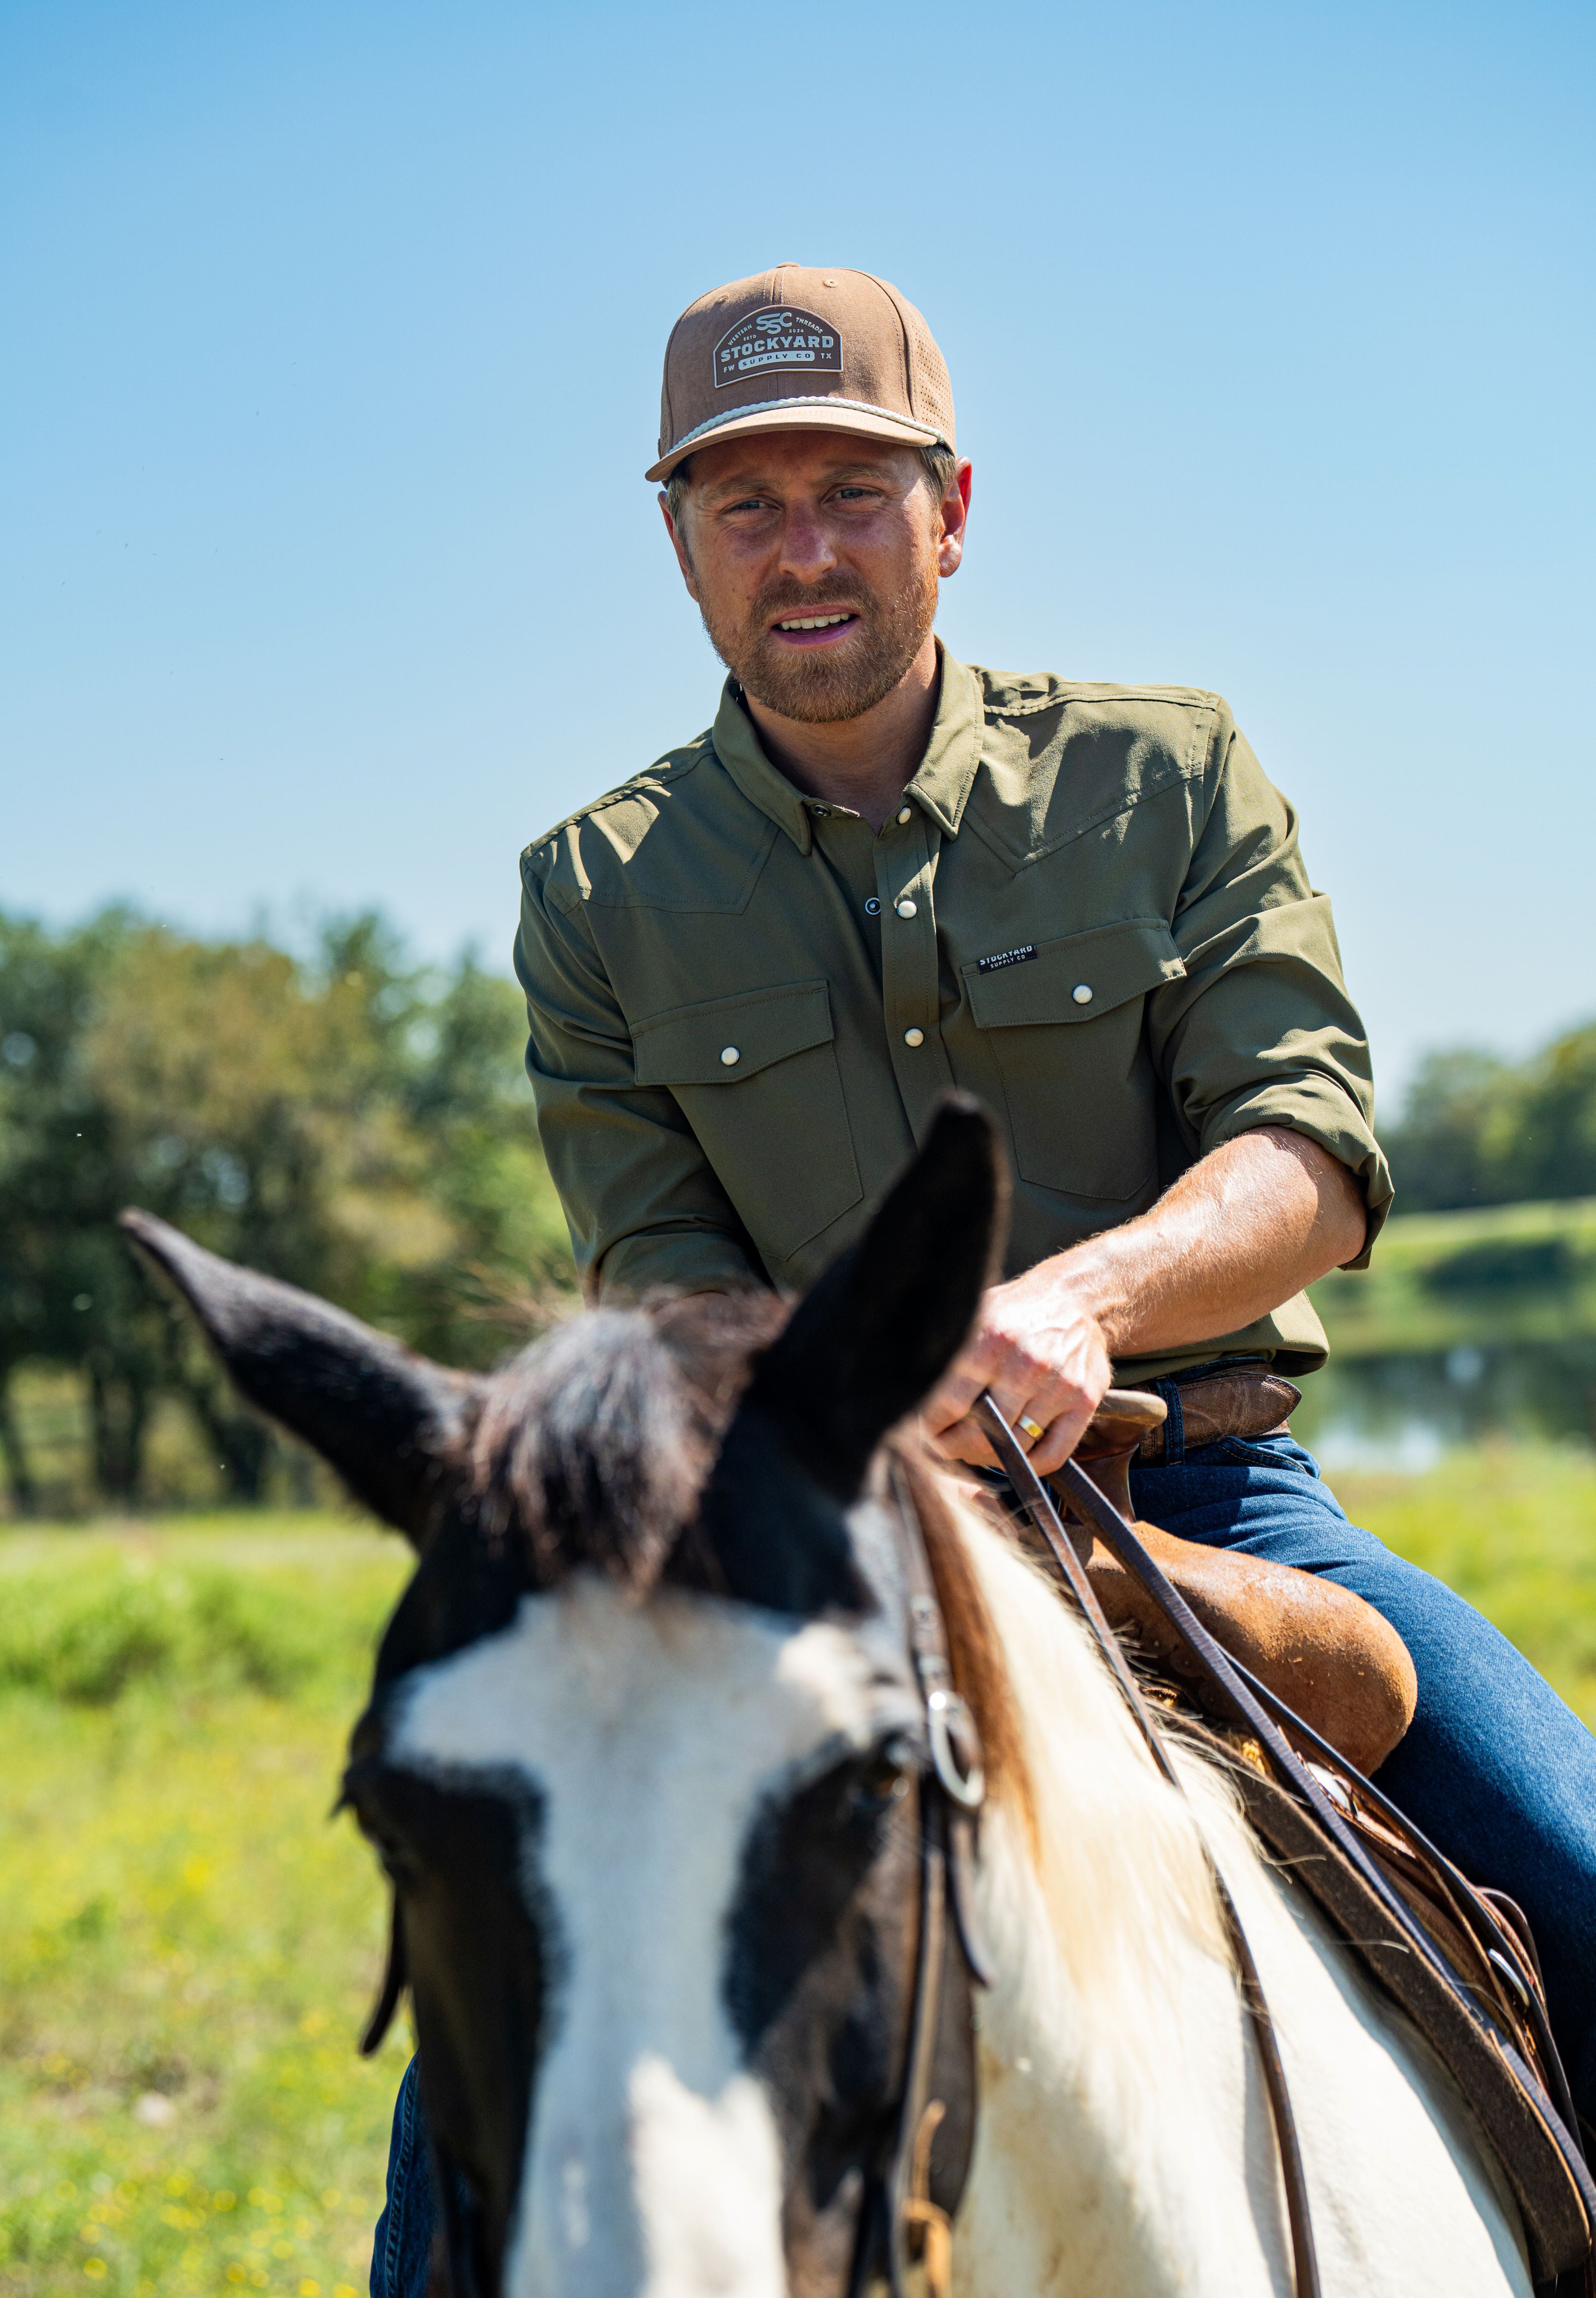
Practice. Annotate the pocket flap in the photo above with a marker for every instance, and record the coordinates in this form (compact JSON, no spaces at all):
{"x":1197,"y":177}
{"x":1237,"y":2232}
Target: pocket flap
{"x":730,"y":1038}
{"x":1075,"y":978}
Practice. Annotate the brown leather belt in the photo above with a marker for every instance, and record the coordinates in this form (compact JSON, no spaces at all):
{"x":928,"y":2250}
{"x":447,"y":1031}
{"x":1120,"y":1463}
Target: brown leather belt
{"x":1241,"y":1401}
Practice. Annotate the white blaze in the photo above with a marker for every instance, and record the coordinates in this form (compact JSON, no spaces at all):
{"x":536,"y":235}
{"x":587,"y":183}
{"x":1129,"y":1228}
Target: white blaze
{"x":707,"y":2177}
{"x":654,"y":2164}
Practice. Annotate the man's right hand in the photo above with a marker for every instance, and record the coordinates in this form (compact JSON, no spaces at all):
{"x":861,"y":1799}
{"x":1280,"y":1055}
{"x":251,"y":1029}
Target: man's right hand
{"x":1045,"y":1361}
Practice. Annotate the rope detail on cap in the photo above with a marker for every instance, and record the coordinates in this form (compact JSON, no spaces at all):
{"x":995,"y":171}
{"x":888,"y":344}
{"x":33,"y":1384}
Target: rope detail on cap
{"x":808,"y":399}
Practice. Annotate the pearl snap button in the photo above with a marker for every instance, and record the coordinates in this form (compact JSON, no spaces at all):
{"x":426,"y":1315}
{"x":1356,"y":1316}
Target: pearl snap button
{"x":872,"y":908}
{"x":914,"y":1036}
{"x":903,"y":812}
{"x":1082,"y":993}
{"x":907,"y":908}
{"x":730,"y":1055}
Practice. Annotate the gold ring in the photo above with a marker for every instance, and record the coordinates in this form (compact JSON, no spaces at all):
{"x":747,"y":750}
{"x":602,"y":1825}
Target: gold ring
{"x":1031,"y":1429}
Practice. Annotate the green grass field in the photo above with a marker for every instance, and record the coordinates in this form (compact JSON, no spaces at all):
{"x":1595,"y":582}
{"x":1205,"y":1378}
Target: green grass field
{"x":1512,"y":1528}
{"x":187,"y":1946}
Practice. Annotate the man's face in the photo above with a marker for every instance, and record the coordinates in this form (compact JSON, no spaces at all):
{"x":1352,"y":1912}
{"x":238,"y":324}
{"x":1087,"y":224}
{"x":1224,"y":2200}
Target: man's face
{"x":814,"y":557}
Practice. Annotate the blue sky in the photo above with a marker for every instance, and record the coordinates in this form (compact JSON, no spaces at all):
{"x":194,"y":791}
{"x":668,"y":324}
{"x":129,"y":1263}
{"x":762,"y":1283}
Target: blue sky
{"x":330,"y":368}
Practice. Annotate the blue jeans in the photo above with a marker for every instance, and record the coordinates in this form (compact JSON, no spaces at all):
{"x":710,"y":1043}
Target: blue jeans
{"x":1494,"y":1768}
{"x":402,"y":2245}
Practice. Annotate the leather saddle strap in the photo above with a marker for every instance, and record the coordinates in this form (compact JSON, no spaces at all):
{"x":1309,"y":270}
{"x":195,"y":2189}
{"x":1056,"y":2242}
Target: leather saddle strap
{"x":1233,"y":1696}
{"x":1517,"y":1953}
{"x":1037,"y":1504}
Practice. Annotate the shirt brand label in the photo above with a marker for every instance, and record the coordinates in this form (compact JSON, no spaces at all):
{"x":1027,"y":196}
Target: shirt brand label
{"x":778,"y":337}
{"x":1007,"y":957}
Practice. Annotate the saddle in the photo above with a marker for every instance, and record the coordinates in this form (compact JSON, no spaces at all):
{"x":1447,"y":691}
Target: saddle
{"x":1459,"y":1960}
{"x":1328,"y":1654}
{"x":1485,"y":1951}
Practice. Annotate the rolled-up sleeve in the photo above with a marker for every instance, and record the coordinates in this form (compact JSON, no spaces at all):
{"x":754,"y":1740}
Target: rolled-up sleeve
{"x":1261,"y":1031}
{"x":641,"y":1203}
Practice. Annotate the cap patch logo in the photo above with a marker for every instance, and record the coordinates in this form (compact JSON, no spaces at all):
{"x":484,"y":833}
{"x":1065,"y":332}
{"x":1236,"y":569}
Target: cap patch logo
{"x":781,"y":335}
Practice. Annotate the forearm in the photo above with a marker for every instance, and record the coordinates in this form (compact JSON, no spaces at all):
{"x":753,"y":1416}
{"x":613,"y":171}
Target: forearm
{"x":1247,"y":1227}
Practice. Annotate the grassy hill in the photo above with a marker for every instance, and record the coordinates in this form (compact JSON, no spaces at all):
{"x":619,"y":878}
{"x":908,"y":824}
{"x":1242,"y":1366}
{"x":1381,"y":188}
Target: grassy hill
{"x":1468,"y":1326}
{"x":1502,"y":1275}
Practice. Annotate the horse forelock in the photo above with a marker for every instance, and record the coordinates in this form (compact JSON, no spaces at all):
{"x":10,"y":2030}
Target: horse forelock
{"x":592,"y":1447}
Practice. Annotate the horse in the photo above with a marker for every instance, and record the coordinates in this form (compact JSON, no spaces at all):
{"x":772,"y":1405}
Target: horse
{"x":646,"y":1765}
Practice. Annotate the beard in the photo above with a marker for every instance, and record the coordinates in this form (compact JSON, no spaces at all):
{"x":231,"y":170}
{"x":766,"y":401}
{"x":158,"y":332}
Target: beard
{"x":819,"y":687}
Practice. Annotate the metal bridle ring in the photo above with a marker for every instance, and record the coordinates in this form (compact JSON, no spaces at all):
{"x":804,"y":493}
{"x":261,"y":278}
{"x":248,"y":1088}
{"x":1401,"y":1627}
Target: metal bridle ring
{"x":945,"y":1715}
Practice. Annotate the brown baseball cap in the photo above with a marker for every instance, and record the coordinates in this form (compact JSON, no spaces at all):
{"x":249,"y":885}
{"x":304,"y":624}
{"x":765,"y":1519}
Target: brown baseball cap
{"x":826,"y":351}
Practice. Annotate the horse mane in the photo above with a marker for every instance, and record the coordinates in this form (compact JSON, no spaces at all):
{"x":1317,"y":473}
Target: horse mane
{"x":1086,"y":1846}
{"x":947,"y":1507}
{"x":1047,"y":1710}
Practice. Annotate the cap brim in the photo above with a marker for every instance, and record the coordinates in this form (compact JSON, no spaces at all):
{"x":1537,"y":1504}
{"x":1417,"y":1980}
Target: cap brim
{"x":799,"y":415}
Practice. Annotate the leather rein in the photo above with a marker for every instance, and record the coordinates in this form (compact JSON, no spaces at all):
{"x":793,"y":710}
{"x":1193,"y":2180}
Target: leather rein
{"x":1037,"y":1502}
{"x":897,"y":2204}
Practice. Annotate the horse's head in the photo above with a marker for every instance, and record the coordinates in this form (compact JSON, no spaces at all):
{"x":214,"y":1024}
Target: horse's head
{"x":645,"y":1753}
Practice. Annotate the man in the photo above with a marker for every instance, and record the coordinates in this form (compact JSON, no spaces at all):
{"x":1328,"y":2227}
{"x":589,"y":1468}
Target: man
{"x":751,"y":971}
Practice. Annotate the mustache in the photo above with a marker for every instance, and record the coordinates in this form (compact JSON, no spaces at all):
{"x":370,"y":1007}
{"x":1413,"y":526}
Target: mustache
{"x":778,"y":599}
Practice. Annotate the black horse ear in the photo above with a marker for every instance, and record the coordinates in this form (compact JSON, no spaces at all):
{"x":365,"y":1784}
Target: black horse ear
{"x":385,"y":1418}
{"x":877,"y":1330}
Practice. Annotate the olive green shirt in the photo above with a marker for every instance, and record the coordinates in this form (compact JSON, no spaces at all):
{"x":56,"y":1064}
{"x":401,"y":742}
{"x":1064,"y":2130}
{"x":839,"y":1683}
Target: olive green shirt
{"x":1090,"y":911}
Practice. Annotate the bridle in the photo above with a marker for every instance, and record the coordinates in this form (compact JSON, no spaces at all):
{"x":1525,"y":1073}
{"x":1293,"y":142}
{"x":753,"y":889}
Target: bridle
{"x":909,"y":2198}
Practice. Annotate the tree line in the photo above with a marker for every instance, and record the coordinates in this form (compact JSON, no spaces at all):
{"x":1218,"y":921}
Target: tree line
{"x":362,"y":1125}
{"x":344,"y":1118}
{"x":1477,"y":1130}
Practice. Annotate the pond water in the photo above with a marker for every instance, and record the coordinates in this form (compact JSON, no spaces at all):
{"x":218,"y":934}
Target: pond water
{"x":1402,"y":1412}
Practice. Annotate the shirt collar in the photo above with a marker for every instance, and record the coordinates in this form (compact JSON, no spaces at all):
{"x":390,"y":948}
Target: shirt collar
{"x":941,"y":783}
{"x":945,"y":777}
{"x":739,"y":750}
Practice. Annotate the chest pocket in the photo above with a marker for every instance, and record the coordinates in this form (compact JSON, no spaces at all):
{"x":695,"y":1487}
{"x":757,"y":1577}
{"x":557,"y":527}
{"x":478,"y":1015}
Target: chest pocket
{"x":1066,"y":1032}
{"x":756,"y":1077}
